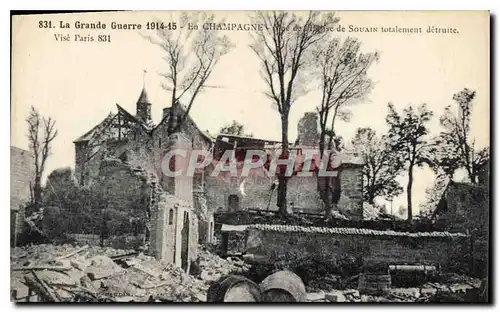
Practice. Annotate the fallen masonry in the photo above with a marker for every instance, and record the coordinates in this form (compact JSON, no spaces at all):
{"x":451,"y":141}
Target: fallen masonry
{"x":95,"y":274}
{"x":66,"y":273}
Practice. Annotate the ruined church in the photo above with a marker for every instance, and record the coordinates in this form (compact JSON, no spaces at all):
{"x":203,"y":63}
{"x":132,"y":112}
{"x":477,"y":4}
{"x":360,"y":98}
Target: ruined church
{"x":124,"y":153}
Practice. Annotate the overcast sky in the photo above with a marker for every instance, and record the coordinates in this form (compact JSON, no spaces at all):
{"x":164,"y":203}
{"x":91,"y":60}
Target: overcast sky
{"x":78,"y":83}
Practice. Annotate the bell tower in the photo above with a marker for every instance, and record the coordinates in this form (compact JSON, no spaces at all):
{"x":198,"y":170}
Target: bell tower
{"x":143,"y":104}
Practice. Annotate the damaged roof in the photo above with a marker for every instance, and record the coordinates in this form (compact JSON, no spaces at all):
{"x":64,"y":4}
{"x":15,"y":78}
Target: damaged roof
{"x":343,"y":158}
{"x":167,"y":112}
{"x":88,"y":135}
{"x":349,"y":231}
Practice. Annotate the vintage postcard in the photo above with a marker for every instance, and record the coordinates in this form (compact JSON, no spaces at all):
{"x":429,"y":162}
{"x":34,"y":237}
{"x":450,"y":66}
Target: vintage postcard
{"x":250,"y":156}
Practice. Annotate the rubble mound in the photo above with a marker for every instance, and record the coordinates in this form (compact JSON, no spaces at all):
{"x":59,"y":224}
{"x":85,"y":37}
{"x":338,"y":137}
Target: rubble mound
{"x":67,"y":273}
{"x":214,"y":267}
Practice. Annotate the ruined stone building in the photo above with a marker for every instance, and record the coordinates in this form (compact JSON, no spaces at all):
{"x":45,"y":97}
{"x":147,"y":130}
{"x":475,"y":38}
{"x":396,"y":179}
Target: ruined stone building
{"x":125,"y":152}
{"x":21,"y":176}
{"x":254,"y":191}
{"x":465,"y":207}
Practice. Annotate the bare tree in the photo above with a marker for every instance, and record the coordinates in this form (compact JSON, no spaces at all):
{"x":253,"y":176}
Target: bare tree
{"x":191,"y":55}
{"x":41,"y":133}
{"x":343,"y":77}
{"x":284,"y":46}
{"x":344,"y":81}
{"x":454,"y":148}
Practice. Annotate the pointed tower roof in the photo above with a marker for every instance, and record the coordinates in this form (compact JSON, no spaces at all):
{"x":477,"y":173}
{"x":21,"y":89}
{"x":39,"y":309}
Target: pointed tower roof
{"x":143,"y":98}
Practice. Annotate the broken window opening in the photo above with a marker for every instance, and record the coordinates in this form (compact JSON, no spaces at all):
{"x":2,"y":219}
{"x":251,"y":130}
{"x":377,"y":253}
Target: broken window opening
{"x":171,"y":216}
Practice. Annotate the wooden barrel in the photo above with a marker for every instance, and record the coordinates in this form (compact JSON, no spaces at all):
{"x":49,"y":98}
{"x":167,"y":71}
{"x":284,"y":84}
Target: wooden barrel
{"x":374,"y":284}
{"x":283,"y":286}
{"x":234,"y":288}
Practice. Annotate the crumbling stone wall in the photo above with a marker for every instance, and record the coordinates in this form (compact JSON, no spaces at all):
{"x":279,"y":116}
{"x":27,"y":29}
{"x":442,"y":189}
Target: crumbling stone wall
{"x":134,"y":150}
{"x":126,"y":187}
{"x":468,"y":211}
{"x":137,"y":192}
{"x":181,"y":185}
{"x":167,"y":222}
{"x":22,"y":171}
{"x":351,"y":196}
{"x":468,"y":207}
{"x":127,"y":192}
{"x":302,"y":191}
{"x":484,"y":174}
{"x":256,"y":192}
{"x":356,"y":250}
{"x":206,"y":229}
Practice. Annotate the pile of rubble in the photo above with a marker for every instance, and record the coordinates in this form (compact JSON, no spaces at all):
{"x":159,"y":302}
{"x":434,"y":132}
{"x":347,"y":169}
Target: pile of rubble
{"x":457,"y":289}
{"x":68,"y":273}
{"x":214,"y":267}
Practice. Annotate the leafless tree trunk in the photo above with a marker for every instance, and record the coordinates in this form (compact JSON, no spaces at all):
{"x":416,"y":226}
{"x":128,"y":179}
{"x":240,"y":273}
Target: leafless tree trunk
{"x":284,"y":46}
{"x":342,"y":71}
{"x":190,"y":55}
{"x":455,"y":148}
{"x":41,"y":132}
{"x":409,"y":192}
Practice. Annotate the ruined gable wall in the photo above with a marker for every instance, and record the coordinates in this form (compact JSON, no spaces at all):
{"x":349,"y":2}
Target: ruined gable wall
{"x":136,"y":147}
{"x":189,"y":138}
{"x":127,"y":190}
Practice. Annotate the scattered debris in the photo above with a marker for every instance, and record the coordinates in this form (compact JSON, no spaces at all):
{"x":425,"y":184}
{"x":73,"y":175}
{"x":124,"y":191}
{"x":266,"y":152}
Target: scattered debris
{"x":65,"y":273}
{"x":34,"y":268}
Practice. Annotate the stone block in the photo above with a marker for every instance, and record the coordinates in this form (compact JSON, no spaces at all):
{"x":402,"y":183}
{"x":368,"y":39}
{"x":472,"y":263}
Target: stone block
{"x":316,"y":296}
{"x":101,"y":267}
{"x":335,"y":296}
{"x":352,"y":292}
{"x":57,"y":278}
{"x":428,"y":291}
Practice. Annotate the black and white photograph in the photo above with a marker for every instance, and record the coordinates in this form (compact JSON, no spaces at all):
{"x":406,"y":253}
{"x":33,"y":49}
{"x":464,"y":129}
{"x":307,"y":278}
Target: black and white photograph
{"x":250,"y":156}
